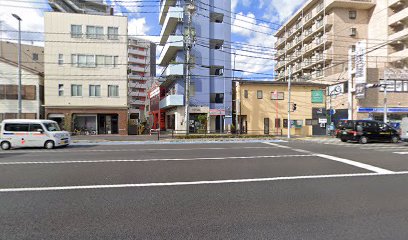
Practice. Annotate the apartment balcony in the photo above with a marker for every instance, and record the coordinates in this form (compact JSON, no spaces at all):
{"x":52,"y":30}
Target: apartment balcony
{"x":137,"y":85}
{"x":352,"y":4}
{"x":398,"y":36}
{"x":164,"y":8}
{"x":137,"y":94}
{"x":172,"y":101}
{"x":399,"y":56}
{"x":398,"y":17}
{"x":174,"y":16}
{"x":173,"y":70}
{"x":280,"y":43}
{"x":174,"y":44}
{"x":137,"y":52}
{"x":137,"y":77}
{"x":136,"y":102}
{"x":137,"y":68}
{"x":137,"y":60}
{"x":76,"y":6}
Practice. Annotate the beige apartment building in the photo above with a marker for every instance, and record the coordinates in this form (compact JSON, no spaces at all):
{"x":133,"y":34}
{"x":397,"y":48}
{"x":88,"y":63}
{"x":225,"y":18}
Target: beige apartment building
{"x":86,"y":64}
{"x":32,"y":80}
{"x":142,"y":70}
{"x":314,"y":45}
{"x":262,"y":108}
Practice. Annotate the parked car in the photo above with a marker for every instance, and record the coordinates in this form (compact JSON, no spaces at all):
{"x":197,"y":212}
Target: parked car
{"x":32,"y":133}
{"x":364,"y":131}
{"x":339,"y":128}
{"x":404,"y":129}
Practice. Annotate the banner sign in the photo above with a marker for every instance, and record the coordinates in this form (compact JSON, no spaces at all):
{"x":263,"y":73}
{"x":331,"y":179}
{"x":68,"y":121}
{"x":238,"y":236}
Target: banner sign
{"x":381,"y":110}
{"x":360,"y":91}
{"x":336,"y":89}
{"x":317,"y":96}
{"x":361,"y":62}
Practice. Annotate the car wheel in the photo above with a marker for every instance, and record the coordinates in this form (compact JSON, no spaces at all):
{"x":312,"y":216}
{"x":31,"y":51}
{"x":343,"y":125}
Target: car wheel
{"x":395,"y":139}
{"x":344,"y":140}
{"x":49,"y":144}
{"x":5,"y":145}
{"x":363,"y":140}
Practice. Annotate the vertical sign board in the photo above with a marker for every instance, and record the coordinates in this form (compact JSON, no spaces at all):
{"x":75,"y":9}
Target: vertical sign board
{"x":361,"y":62}
{"x":317,"y":96}
{"x":360,"y":90}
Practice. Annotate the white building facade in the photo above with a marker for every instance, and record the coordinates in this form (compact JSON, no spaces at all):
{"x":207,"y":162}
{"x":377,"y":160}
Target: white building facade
{"x":86,"y":62}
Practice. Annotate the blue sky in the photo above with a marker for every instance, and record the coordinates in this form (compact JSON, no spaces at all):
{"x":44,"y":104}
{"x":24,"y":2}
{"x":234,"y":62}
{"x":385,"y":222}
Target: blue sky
{"x":254,"y":48}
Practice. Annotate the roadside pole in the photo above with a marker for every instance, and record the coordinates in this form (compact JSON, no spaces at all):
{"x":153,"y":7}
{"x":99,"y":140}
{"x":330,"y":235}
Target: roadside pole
{"x":350,"y":86}
{"x":385,"y":99}
{"x":188,"y":44}
{"x":289,"y":96}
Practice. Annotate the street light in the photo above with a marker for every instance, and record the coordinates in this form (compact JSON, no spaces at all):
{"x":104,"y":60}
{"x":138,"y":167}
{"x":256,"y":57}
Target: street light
{"x":19,"y":64}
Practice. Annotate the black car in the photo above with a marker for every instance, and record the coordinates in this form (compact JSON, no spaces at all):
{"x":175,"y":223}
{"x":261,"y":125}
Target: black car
{"x":364,"y":131}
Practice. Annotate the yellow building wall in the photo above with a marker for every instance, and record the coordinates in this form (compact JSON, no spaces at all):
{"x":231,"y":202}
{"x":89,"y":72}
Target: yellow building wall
{"x":255,"y":110}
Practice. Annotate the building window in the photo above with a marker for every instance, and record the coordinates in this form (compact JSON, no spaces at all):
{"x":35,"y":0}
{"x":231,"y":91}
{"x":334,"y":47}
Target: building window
{"x":60,"y":59}
{"x":113,"y":33}
{"x":245,"y":93}
{"x":76,"y":90}
{"x":35,"y":56}
{"x":259,"y":94}
{"x":217,"y":98}
{"x":94,"y":90}
{"x":76,"y":31}
{"x":74,"y":60}
{"x":113,"y":91}
{"x":352,"y":14}
{"x":83,"y":60}
{"x":277,"y":96}
{"x":28,"y":92}
{"x":108,"y":61}
{"x":60,"y":90}
{"x":115,"y":61}
{"x":94,"y":32}
{"x":100,"y":60}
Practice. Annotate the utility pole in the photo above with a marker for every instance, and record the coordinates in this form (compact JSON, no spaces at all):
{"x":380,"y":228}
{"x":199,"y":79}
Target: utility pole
{"x":289,"y":95}
{"x":189,"y":37}
{"x":350,"y":85}
{"x":385,"y":99}
{"x":19,"y":65}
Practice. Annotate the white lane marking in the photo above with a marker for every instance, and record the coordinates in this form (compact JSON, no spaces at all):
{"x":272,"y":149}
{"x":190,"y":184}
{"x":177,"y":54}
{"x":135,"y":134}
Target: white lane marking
{"x":402,"y":153}
{"x":277,"y":145}
{"x":338,"y":159}
{"x":166,"y":184}
{"x":76,"y":150}
{"x":356,"y":164}
{"x":151,"y":160}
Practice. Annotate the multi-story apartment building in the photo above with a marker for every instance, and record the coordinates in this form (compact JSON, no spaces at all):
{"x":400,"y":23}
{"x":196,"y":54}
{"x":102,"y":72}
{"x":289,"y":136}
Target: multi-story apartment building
{"x":32,"y":80}
{"x":86,"y":80}
{"x":142,"y":70}
{"x":211,"y":83}
{"x":81,"y":6}
{"x":315,"y":42}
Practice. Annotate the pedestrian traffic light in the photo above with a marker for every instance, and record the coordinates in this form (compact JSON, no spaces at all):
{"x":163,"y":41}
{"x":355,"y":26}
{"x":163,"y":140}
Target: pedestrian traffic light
{"x":294,"y":107}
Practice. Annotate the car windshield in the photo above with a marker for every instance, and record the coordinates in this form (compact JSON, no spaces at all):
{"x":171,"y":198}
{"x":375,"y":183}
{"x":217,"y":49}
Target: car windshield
{"x":52,"y":127}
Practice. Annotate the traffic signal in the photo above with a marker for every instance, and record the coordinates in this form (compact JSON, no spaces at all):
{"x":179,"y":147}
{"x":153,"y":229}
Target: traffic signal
{"x":294,"y":107}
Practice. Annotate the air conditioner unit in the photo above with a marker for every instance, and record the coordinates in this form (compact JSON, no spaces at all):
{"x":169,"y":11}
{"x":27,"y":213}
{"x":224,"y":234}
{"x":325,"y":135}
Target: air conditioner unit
{"x":319,"y":17}
{"x":353,"y":32}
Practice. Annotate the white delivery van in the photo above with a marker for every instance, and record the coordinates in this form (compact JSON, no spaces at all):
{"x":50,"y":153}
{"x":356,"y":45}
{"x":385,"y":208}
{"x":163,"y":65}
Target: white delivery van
{"x":404,"y":129}
{"x":15,"y":133}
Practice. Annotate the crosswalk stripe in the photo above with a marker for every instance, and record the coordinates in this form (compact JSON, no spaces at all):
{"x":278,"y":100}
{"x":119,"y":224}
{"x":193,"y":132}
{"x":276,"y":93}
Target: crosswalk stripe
{"x":402,"y":153}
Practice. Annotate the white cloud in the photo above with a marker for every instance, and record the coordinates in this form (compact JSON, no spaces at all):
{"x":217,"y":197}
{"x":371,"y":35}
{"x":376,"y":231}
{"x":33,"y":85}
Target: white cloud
{"x":234,"y":4}
{"x":125,"y":7}
{"x":138,"y":26}
{"x":243,"y":24}
{"x":32,"y":20}
{"x":281,"y":10}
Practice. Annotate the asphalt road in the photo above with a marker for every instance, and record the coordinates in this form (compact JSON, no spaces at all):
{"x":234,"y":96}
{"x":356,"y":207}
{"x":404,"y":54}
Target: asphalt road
{"x":281,"y":190}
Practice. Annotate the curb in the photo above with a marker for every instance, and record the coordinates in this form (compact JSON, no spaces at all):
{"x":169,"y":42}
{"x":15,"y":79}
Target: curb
{"x":87,"y":143}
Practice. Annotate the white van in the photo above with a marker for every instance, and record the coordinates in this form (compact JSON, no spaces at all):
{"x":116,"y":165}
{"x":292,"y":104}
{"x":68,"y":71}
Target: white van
{"x":16,"y":133}
{"x":404,"y":129}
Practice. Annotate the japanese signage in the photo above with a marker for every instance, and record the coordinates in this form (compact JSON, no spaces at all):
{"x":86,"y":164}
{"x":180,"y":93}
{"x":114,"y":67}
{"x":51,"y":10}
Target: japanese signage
{"x":360,"y":91}
{"x":361,"y":62}
{"x":336,"y":89}
{"x":317,"y":96}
